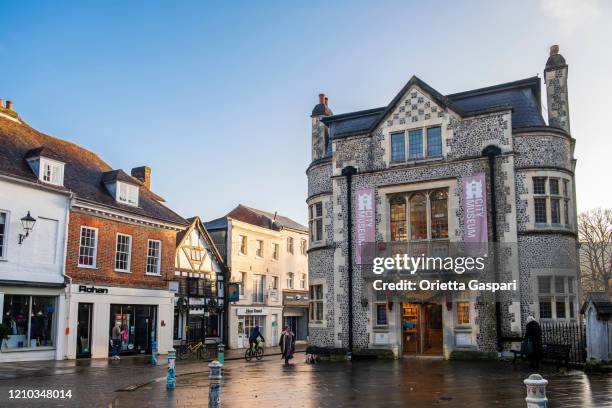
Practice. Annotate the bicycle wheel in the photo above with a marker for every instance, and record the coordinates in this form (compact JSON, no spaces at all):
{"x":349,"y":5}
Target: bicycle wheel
{"x":248,"y":355}
{"x":181,"y":353}
{"x":260,"y":353}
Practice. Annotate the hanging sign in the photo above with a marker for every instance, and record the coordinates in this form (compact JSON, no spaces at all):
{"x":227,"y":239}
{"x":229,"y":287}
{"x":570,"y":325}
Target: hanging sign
{"x":365,"y":218}
{"x":475,"y":234}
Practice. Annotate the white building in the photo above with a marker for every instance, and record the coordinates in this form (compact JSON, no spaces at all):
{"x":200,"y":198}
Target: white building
{"x":267,"y":256}
{"x":32,"y":301}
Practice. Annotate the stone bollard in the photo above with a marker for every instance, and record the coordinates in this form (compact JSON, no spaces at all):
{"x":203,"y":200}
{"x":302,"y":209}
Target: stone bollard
{"x":221,"y":353}
{"x":536,"y":391}
{"x":214,"y":399}
{"x":171,"y":376}
{"x":153,"y":353}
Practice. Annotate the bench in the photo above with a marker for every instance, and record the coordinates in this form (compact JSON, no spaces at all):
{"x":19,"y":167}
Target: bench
{"x":559,"y":353}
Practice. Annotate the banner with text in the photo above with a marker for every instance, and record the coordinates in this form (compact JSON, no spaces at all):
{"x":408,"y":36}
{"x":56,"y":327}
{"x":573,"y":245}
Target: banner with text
{"x":365,"y":219}
{"x":475,"y":235}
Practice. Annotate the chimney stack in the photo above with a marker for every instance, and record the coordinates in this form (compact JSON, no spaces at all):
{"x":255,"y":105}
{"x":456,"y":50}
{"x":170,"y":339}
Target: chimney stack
{"x":143,"y":173}
{"x":322,"y":98}
{"x":555,"y":78}
{"x":1,"y":103}
{"x":9,"y":105}
{"x":326,"y":100}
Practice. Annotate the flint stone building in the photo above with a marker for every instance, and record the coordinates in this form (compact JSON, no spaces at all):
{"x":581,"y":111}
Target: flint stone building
{"x":414,"y":153}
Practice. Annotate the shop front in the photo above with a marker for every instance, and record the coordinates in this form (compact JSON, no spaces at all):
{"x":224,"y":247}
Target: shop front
{"x":295,"y":312}
{"x":247,"y":318}
{"x":143,"y":316}
{"x":34,"y":317}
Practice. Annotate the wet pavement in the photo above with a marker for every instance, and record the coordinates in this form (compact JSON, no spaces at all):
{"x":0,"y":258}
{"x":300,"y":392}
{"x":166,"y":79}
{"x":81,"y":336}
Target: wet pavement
{"x":408,"y":382}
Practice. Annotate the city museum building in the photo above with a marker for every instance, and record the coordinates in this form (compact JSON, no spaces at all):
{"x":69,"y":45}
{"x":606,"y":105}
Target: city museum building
{"x":415,"y":156}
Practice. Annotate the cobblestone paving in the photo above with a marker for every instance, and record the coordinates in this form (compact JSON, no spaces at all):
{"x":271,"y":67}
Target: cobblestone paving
{"x":410,"y":382}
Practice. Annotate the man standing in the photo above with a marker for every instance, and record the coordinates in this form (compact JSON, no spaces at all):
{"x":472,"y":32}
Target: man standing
{"x":116,"y":340}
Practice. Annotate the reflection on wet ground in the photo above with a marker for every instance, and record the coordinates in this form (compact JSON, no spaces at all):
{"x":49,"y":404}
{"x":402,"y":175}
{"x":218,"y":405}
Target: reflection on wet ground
{"x":409,"y":382}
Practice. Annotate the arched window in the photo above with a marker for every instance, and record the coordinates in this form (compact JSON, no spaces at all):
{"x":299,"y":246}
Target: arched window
{"x":418,"y":217}
{"x":439,"y":214}
{"x":398,"y":218}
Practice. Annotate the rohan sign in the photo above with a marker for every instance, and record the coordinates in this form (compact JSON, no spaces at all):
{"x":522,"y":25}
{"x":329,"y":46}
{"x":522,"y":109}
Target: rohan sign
{"x":91,"y":289}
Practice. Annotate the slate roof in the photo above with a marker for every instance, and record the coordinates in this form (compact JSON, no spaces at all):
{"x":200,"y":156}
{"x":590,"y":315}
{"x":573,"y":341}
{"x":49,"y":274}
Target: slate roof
{"x":83,"y":173}
{"x":257,"y":217}
{"x":522,"y":96}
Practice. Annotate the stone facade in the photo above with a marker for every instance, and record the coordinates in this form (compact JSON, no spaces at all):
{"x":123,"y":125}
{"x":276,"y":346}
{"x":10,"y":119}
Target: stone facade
{"x":525,"y":153}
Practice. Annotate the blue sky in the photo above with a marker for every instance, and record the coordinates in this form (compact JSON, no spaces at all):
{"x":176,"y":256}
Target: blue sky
{"x":216,"y":97}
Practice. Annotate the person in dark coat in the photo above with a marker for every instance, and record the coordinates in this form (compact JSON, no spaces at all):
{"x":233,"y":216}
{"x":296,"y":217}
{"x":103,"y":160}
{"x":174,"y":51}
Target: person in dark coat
{"x":533,"y":339}
{"x":287,"y":344}
{"x":255,"y":335}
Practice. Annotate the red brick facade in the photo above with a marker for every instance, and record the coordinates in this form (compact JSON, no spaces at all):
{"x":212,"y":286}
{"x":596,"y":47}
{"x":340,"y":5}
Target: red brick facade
{"x":104,"y":272}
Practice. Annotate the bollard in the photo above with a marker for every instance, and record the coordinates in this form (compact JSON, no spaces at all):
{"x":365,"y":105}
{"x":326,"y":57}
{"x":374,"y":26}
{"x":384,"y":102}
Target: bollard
{"x":221,"y":353}
{"x":171,"y":376}
{"x":214,"y":399}
{"x":153,"y":353}
{"x":536,"y":391}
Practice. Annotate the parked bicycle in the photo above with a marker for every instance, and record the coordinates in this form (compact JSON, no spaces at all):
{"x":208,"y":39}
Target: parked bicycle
{"x":255,"y":350}
{"x":188,"y":350}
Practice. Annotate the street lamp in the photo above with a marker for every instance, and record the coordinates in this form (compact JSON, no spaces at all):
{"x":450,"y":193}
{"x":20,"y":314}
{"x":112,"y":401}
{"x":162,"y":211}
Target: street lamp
{"x":27,"y":223}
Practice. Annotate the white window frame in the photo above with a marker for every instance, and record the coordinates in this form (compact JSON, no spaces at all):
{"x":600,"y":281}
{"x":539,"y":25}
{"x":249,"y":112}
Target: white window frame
{"x":290,"y":280}
{"x":275,"y":251}
{"x":129,"y":253}
{"x":315,"y":304}
{"x":56,"y":171}
{"x":159,"y":258}
{"x":303,"y":246}
{"x":259,"y":248}
{"x":5,"y":241}
{"x":95,"y":248}
{"x":131,"y":193}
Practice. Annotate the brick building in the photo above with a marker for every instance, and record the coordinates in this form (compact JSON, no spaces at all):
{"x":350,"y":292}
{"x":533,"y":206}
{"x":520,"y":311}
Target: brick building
{"x":413,"y":166}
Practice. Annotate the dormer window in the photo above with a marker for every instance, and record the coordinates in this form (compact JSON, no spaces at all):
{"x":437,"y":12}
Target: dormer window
{"x":127,"y":193}
{"x":51,"y":171}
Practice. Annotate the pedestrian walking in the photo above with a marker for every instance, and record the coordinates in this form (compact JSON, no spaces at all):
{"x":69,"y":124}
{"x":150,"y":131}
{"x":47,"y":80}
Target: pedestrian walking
{"x":116,"y":336}
{"x":287,"y":344}
{"x":533,"y":342}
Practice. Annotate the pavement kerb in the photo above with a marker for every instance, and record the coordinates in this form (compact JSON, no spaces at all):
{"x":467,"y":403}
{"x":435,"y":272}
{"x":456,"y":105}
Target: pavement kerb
{"x":134,"y":387}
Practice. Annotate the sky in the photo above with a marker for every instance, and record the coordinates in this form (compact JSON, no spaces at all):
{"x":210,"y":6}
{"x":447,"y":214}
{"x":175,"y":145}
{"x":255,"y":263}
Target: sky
{"x":216,"y":96}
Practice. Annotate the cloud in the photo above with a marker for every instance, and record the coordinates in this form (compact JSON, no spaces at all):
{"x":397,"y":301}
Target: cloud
{"x":572,"y":14}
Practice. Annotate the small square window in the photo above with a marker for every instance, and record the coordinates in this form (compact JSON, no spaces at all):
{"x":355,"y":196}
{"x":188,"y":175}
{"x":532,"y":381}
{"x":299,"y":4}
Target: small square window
{"x":539,"y":185}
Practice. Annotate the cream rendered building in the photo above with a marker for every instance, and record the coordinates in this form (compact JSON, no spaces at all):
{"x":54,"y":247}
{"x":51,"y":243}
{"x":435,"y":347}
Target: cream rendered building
{"x":267,"y":255}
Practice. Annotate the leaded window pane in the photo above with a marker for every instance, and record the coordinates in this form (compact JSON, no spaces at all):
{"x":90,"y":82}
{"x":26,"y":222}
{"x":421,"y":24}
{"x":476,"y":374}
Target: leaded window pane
{"x":415,"y":144}
{"x":434,"y":142}
{"x":398,"y":148}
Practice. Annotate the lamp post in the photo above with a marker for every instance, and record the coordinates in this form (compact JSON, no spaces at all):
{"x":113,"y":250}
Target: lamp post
{"x":27,"y":223}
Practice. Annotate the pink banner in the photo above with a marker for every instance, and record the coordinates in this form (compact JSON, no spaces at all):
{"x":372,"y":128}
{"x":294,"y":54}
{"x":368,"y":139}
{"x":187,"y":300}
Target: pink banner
{"x":475,"y":234}
{"x":365,"y":200}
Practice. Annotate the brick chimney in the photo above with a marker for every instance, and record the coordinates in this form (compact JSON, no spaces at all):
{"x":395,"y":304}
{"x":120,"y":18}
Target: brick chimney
{"x":9,"y":105}
{"x":143,"y":173}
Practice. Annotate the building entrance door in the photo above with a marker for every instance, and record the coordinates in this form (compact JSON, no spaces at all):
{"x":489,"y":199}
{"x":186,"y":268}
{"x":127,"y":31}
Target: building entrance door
{"x":422,"y":329}
{"x":84,"y":319}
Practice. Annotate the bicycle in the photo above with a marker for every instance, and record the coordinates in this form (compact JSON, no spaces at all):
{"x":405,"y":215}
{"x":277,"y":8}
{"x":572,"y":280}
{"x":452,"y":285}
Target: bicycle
{"x":187,"y":350}
{"x":254,"y":351}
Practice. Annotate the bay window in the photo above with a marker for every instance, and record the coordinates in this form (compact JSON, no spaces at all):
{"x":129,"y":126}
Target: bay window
{"x":551,"y":204}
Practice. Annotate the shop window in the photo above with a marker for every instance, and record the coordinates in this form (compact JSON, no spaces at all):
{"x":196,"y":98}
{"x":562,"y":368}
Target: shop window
{"x":381,"y":314}
{"x":243,"y":244}
{"x":316,"y":303}
{"x":123,"y":253}
{"x":3,"y":224}
{"x":88,"y":247}
{"x":315,"y":223}
{"x":463,"y":313}
{"x":30,"y":320}
{"x":154,"y":257}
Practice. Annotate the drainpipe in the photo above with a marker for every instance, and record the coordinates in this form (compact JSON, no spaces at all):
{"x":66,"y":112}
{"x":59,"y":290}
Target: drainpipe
{"x":68,"y":294}
{"x":490,"y":152}
{"x":348,"y":172}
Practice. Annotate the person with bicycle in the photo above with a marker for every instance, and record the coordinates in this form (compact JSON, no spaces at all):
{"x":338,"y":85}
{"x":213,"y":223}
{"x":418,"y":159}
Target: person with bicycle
{"x":255,"y":335}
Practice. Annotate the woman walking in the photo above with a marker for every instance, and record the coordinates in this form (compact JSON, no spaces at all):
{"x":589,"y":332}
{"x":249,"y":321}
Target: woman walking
{"x":287,"y":344}
{"x":533,"y":342}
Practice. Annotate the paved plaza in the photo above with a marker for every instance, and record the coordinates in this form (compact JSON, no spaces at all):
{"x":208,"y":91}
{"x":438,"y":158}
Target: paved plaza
{"x":408,"y":382}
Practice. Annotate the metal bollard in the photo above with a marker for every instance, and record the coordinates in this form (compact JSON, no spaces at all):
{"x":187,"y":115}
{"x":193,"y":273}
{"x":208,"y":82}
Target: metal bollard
{"x":171,"y":376}
{"x":214,"y":399}
{"x":153,"y":353}
{"x":536,"y":391}
{"x":221,"y":353}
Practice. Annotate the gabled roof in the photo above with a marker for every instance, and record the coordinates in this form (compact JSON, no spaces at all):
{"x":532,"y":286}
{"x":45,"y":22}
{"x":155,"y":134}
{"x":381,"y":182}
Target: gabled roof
{"x":196,"y":222}
{"x":83,"y":173}
{"x":43,"y":152}
{"x":522,"y":96}
{"x":256,"y":217}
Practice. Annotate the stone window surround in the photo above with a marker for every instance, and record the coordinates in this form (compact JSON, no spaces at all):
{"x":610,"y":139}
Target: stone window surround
{"x":553,"y":273}
{"x":385,"y":194}
{"x":323,"y":199}
{"x":564,"y":200}
{"x":323,"y":283}
{"x":424,"y":145}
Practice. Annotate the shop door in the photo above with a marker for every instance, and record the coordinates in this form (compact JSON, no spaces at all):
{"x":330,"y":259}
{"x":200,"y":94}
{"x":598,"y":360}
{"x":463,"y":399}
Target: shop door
{"x":243,"y":339}
{"x":145,"y":328}
{"x":292,"y":321}
{"x":422,"y":329}
{"x":83,"y":335}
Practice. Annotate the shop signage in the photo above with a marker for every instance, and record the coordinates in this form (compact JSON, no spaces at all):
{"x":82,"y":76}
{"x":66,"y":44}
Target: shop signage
{"x":296,"y":299}
{"x":91,"y":289}
{"x":475,"y":214}
{"x":233,"y":292}
{"x":251,"y":311}
{"x":365,"y":218}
